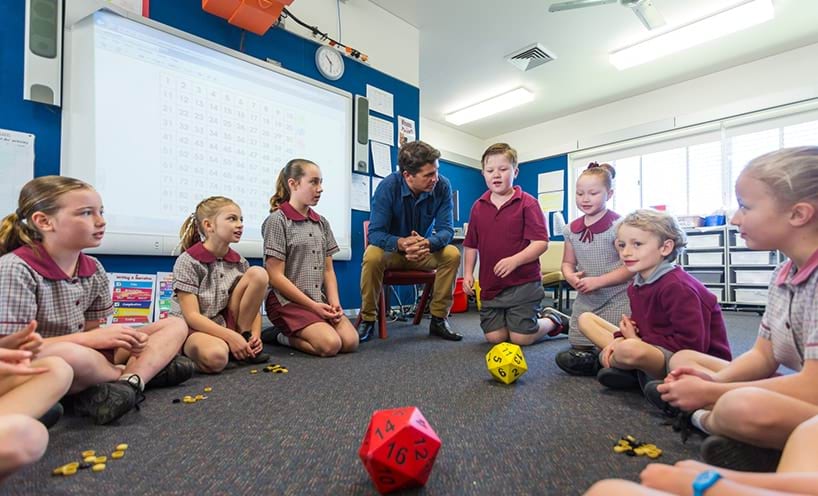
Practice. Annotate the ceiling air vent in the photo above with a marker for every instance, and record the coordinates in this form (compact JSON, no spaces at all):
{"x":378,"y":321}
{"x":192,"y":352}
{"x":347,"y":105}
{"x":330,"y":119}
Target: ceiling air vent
{"x":529,"y":57}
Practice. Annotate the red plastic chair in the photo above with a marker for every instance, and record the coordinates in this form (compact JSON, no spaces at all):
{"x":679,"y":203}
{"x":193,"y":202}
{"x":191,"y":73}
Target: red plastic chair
{"x":397,"y":277}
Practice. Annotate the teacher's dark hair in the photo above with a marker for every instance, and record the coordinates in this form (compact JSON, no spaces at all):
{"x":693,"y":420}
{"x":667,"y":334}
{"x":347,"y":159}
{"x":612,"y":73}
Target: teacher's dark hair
{"x":413,"y":156}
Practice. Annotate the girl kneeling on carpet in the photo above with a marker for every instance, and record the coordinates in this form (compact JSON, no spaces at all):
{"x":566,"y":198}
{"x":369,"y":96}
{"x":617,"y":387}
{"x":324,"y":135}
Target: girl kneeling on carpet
{"x":298,"y":247}
{"x":215,"y":289}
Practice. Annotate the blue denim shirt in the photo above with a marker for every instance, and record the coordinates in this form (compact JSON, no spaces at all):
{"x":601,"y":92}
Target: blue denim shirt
{"x":396,"y":212}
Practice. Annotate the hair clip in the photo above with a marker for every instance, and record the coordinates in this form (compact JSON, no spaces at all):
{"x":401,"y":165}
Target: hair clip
{"x":593,"y":165}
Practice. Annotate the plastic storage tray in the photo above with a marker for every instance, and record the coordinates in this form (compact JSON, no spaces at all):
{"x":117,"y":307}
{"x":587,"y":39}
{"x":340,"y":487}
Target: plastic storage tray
{"x":752,"y":258}
{"x":716,"y":258}
{"x":719,"y":292}
{"x":753,"y":276}
{"x":708,"y":277}
{"x":757,"y":296}
{"x":695,"y":241}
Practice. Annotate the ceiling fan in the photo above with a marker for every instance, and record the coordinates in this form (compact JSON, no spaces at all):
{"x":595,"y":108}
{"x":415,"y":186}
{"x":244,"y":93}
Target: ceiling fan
{"x":644,"y":9}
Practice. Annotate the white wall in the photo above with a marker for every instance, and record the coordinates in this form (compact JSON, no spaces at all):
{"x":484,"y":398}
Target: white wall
{"x":454,"y":145}
{"x":784,"y":78}
{"x":391,"y":43}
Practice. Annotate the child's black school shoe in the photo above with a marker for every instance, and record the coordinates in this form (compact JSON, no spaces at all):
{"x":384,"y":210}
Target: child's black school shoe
{"x":654,"y":397}
{"x":270,"y":335}
{"x":260,"y":358}
{"x":560,"y":320}
{"x":579,"y":362}
{"x":614,"y":378}
{"x":736,"y":455}
{"x":108,"y":401}
{"x":52,"y":416}
{"x":177,"y":371}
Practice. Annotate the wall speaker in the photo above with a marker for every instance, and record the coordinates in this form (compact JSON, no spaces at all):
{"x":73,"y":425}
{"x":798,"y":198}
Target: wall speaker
{"x":42,"y":66}
{"x":361,"y":144}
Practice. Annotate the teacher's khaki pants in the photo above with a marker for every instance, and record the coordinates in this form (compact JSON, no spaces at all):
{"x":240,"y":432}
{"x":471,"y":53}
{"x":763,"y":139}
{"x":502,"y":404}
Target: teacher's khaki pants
{"x":376,"y":261}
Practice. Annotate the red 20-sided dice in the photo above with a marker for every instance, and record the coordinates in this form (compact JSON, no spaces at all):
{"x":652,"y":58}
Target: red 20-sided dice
{"x":399,"y":449}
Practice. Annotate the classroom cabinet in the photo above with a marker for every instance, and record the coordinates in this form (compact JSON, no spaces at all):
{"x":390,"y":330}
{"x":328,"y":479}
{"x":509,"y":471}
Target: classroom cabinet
{"x":720,"y":259}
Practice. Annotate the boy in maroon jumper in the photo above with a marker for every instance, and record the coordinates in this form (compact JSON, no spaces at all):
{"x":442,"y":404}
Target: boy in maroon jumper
{"x":507,"y":230}
{"x":670,"y":309}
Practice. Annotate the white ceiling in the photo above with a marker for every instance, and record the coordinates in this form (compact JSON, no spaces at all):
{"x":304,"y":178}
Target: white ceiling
{"x":463,"y":44}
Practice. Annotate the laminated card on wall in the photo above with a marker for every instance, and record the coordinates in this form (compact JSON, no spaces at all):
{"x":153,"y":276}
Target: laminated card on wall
{"x":164,"y":295}
{"x":132,"y":296}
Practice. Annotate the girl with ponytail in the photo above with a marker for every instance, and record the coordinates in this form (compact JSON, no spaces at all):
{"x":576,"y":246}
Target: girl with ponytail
{"x":216,"y":291}
{"x":591,"y":265}
{"x":304,"y":304}
{"x":44,"y":276}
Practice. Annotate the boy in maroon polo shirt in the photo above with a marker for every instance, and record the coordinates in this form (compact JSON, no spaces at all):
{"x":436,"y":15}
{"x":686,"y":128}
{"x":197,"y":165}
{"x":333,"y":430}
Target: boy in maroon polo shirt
{"x":507,"y":230}
{"x":670,"y":309}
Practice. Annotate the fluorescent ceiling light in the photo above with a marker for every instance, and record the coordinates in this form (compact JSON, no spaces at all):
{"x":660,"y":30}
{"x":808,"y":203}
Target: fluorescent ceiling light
{"x":491,"y":106}
{"x":741,"y":16}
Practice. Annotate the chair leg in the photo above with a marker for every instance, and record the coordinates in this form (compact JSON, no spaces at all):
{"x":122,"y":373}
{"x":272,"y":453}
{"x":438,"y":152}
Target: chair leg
{"x":424,"y":300}
{"x":558,"y":291}
{"x":382,"y":313}
{"x":567,"y":297}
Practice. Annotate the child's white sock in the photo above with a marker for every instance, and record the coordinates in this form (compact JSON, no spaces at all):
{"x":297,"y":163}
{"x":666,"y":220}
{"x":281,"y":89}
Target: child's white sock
{"x":282,"y":339}
{"x":127,"y":377}
{"x":697,"y":419}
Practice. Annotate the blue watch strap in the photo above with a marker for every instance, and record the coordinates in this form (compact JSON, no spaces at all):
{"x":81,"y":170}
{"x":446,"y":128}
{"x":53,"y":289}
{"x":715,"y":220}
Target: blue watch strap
{"x":705,"y":481}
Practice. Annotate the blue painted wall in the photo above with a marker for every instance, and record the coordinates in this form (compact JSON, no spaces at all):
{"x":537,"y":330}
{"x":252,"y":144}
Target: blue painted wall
{"x":469,"y":183}
{"x":527,"y":179}
{"x":294,"y":53}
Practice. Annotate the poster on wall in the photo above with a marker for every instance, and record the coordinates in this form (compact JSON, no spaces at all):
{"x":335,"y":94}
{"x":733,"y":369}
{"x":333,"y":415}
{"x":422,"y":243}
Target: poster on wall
{"x":16,"y":166}
{"x":551,"y":196}
{"x":550,"y":181}
{"x":406,"y":130}
{"x":132,"y":296}
{"x":164,"y":295}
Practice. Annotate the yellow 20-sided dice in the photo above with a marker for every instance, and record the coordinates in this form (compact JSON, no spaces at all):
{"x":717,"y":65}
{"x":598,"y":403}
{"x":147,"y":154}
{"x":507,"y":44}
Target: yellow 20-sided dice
{"x":506,"y":362}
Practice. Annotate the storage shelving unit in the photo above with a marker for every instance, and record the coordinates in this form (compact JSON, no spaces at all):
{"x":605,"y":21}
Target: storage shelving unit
{"x":719,"y":258}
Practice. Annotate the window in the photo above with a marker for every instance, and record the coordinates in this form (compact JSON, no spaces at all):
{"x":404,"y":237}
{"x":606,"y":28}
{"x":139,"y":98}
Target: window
{"x":692,"y":171}
{"x":706,"y":194}
{"x":801,"y":134}
{"x":627,"y":188}
{"x":746,"y":147}
{"x":664,"y":180}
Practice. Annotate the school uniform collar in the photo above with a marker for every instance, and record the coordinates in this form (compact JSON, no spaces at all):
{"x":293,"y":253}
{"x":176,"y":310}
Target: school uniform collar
{"x":600,"y":226}
{"x":291,"y":213}
{"x":798,"y":275}
{"x":38,"y":259}
{"x":202,"y":254}
{"x":663,"y":268}
{"x":517,"y":195}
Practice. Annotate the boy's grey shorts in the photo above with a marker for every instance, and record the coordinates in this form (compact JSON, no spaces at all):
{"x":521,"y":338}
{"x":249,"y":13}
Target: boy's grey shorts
{"x":514,"y":309}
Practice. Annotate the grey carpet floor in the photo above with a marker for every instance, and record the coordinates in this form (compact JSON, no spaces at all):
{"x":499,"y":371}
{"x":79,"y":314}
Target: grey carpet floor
{"x":299,"y":433}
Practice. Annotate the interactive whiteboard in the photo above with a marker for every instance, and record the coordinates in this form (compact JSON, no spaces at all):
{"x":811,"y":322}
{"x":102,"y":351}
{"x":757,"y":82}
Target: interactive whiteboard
{"x":158,"y":120}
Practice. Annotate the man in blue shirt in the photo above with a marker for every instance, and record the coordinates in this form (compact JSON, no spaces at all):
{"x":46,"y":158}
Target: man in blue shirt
{"x":410,"y":227}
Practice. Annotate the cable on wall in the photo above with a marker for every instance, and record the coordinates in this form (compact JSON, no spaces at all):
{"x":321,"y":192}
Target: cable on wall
{"x":324,"y":37}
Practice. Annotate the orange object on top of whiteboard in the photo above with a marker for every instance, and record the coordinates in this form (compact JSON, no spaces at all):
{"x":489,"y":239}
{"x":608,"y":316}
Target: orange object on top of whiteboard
{"x":256,"y":16}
